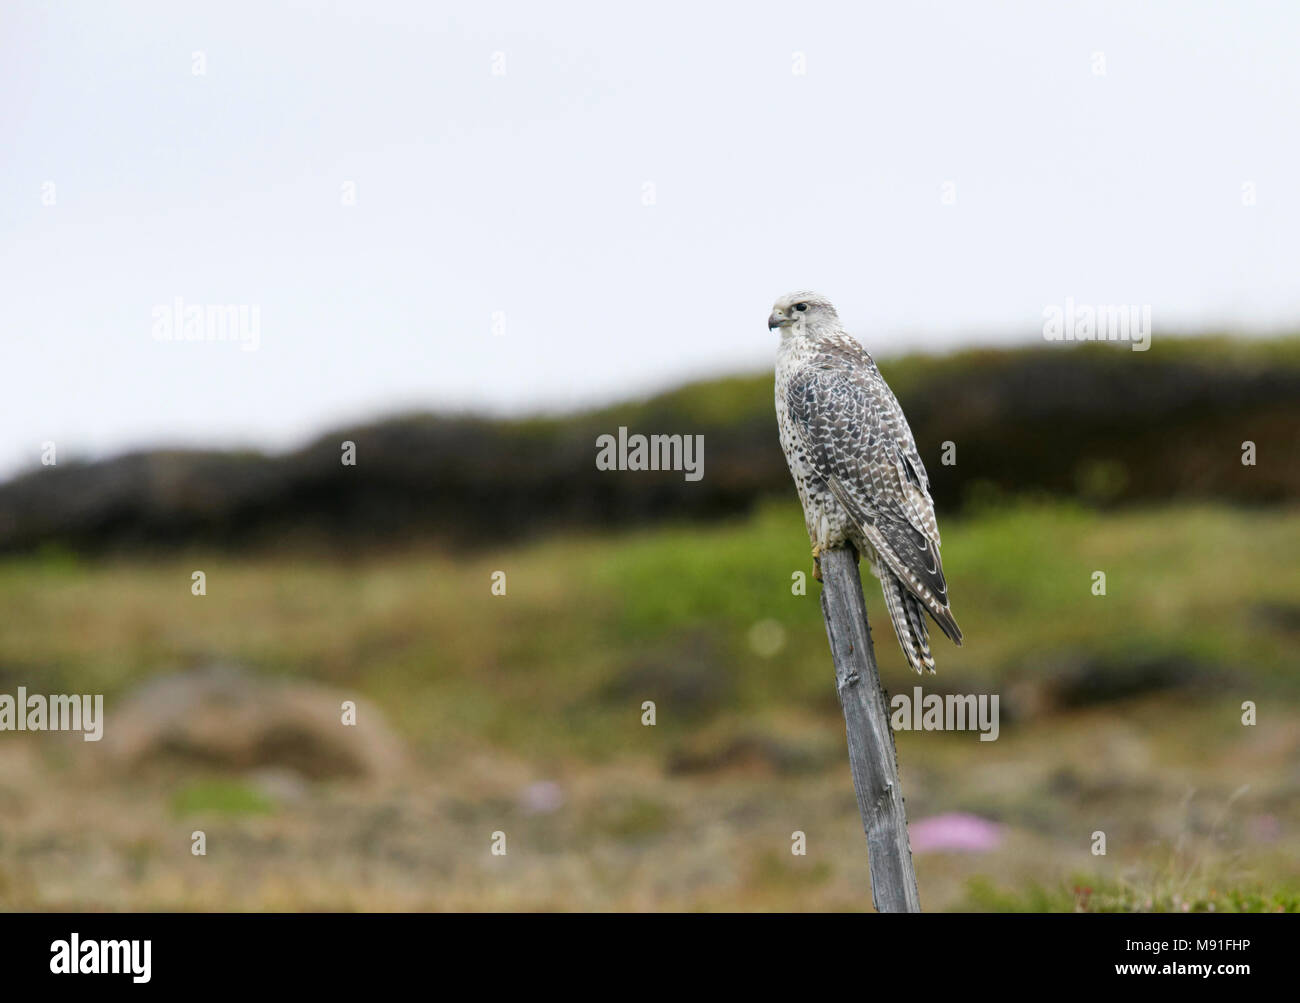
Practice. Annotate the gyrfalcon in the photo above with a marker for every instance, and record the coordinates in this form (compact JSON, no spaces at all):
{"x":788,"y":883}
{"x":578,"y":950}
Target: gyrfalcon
{"x":856,"y":467}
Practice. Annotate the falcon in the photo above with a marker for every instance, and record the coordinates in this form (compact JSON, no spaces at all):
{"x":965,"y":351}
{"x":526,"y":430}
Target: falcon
{"x":856,"y":467}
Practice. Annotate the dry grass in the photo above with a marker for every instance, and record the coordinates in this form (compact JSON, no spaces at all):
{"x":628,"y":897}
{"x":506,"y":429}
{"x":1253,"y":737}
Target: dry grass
{"x":491,"y":695}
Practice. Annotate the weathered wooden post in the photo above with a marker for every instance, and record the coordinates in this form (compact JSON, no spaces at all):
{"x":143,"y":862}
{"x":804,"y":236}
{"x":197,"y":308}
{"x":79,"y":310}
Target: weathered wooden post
{"x":872,"y":756}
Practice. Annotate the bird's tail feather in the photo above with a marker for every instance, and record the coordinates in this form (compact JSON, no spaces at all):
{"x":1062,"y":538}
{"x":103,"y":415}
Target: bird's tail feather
{"x":923,"y":591}
{"x":908,"y":616}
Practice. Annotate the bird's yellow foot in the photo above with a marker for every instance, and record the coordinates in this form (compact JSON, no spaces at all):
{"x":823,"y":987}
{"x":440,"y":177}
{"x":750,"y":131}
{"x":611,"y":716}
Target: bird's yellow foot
{"x":817,"y":561}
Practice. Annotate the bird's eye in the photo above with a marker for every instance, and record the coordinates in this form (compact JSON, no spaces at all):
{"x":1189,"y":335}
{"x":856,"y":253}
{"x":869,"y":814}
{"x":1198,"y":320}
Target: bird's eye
{"x":801,"y":307}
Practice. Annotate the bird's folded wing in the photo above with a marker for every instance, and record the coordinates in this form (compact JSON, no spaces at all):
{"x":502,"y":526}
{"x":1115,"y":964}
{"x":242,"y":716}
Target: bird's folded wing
{"x":857,"y":441}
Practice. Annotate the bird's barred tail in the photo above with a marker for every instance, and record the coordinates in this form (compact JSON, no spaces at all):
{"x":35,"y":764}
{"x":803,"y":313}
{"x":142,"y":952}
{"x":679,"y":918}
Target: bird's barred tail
{"x":908,"y":615}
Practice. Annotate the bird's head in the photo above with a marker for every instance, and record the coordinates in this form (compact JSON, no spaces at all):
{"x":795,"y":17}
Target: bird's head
{"x":799,"y":312}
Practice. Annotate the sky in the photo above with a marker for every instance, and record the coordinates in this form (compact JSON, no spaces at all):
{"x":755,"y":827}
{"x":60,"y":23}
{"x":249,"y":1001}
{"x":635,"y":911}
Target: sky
{"x":508,"y":207}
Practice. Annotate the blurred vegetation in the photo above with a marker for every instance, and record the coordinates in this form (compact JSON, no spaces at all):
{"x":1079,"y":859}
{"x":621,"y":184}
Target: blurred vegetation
{"x":1108,"y":896}
{"x":1095,"y":422}
{"x":590,"y":622}
{"x":220,"y":796}
{"x":1113,"y":708}
{"x":522,"y":713}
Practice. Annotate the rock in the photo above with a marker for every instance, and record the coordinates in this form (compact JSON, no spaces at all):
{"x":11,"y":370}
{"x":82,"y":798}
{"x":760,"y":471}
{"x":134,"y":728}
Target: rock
{"x":224,"y":718}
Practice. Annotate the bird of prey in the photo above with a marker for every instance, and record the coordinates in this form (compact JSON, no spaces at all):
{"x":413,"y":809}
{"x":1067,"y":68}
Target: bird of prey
{"x":856,"y":467}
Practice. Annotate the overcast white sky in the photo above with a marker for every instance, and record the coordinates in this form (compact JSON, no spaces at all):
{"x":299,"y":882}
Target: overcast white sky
{"x":478,"y":192}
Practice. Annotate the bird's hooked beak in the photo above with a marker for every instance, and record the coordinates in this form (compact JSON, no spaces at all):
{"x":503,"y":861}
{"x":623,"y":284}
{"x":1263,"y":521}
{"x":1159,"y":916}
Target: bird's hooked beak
{"x":777,"y":319}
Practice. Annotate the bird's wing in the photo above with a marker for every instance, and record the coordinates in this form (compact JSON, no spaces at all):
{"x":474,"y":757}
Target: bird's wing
{"x":857,"y":440}
{"x":918,"y":504}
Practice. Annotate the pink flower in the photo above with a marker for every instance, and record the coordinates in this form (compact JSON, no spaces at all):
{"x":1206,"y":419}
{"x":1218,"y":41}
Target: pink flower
{"x":954,"y":831}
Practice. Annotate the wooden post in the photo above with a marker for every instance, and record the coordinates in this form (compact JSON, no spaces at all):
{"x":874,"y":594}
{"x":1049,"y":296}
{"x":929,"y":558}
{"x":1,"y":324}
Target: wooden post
{"x":871,"y":740}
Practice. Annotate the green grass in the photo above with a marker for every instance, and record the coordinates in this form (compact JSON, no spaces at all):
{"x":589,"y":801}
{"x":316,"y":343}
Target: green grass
{"x":592,"y":626}
{"x":1093,"y":894}
{"x":218,"y":796}
{"x":491,"y":692}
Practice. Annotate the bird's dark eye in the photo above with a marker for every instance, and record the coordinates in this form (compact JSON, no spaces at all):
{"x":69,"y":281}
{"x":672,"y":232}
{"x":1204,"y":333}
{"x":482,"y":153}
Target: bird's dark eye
{"x":801,"y":307}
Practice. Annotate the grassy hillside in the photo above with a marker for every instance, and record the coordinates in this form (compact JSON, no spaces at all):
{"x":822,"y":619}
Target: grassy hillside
{"x":1097,"y":422}
{"x":1119,"y":713}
